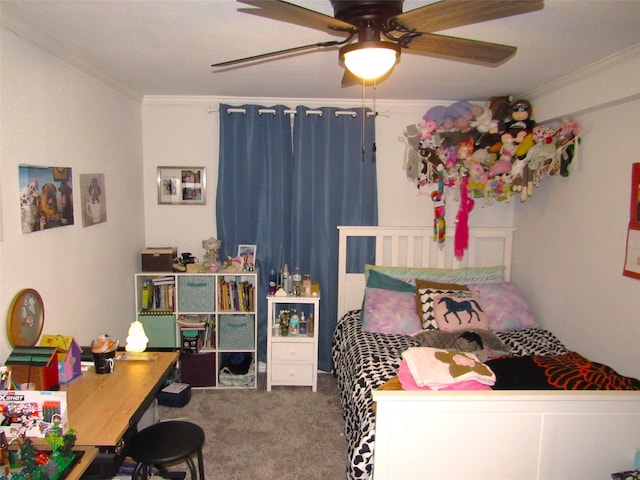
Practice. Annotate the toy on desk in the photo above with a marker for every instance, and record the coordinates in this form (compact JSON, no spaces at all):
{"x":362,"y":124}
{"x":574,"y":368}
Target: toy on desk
{"x":103,"y":348}
{"x":37,"y":365}
{"x":136,"y":340}
{"x":68,"y":353}
{"x":103,"y":343}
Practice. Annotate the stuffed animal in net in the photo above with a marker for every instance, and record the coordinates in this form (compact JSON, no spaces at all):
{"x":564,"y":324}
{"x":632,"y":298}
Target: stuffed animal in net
{"x":439,"y":224}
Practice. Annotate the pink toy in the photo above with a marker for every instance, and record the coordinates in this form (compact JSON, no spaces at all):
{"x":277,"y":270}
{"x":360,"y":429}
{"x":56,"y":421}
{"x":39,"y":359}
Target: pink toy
{"x":461,"y":241}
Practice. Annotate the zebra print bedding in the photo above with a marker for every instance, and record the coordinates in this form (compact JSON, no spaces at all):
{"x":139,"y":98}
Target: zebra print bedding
{"x":364,"y":361}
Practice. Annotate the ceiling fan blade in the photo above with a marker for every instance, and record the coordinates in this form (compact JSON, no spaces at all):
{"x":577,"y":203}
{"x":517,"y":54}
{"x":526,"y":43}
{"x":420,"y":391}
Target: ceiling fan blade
{"x":290,"y":13}
{"x":457,"y":13}
{"x":263,"y":56}
{"x":461,"y":49}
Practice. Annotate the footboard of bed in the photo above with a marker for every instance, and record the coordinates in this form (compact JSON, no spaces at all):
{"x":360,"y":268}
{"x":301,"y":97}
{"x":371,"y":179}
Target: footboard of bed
{"x":519,"y":435}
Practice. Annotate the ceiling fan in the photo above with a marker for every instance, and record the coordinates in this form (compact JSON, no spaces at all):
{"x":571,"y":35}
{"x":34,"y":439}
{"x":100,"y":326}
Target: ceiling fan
{"x":380,"y":27}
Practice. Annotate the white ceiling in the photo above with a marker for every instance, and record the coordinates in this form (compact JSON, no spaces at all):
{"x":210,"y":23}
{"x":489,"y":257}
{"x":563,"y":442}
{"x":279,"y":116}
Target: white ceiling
{"x":166,"y":47}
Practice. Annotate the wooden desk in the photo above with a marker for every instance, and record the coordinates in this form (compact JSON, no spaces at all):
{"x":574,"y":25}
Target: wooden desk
{"x":103,"y":407}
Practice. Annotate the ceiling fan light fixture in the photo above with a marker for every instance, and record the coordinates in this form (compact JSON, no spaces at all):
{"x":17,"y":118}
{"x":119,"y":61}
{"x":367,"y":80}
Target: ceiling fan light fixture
{"x":369,"y":60}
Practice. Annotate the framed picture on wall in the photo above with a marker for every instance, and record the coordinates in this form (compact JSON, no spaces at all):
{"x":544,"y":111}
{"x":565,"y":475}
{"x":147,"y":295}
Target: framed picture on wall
{"x":634,"y":214}
{"x":46,"y":197}
{"x":632,"y":254}
{"x":182,"y":185}
{"x":93,"y":197}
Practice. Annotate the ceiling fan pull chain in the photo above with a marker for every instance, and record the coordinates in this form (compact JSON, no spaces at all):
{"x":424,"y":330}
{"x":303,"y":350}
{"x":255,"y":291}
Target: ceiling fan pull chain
{"x":375,"y":114}
{"x":364,"y":117}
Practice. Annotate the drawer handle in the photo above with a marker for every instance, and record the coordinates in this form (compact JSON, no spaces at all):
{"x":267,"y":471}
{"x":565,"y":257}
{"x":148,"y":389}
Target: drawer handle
{"x":292,"y":373}
{"x":292,"y":353}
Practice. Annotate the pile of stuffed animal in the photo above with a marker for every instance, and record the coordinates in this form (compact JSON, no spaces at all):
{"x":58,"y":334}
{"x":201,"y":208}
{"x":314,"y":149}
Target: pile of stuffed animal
{"x":497,"y":148}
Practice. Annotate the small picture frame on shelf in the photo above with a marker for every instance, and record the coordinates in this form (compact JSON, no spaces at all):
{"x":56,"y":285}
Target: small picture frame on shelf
{"x":248,"y":255}
{"x":182,"y":185}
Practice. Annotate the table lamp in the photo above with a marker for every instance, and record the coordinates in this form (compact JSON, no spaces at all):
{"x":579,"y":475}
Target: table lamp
{"x":136,"y":340}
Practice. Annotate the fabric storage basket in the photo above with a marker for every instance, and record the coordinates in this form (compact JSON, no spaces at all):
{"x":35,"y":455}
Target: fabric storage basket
{"x":236,"y":332}
{"x":196,"y":293}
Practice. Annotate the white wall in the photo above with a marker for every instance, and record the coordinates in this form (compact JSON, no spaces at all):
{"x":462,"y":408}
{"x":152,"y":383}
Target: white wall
{"x":55,"y":115}
{"x":184,"y":131}
{"x":570,"y":236}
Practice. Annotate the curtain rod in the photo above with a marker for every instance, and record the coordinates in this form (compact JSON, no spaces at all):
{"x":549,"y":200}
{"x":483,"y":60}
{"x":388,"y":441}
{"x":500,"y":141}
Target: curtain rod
{"x":262,"y":111}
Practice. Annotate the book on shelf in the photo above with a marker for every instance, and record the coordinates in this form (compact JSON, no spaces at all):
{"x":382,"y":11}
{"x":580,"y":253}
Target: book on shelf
{"x":235,"y":295}
{"x":164,"y":280}
{"x":192,"y":321}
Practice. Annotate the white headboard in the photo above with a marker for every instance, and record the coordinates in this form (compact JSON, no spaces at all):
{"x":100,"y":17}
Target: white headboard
{"x":414,"y":247}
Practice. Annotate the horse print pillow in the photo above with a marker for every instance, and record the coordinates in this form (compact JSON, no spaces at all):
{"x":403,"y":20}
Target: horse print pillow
{"x":459,"y":310}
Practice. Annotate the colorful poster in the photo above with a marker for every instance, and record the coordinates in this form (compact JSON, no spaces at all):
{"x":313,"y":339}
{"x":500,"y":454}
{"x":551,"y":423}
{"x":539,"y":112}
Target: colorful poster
{"x":46,"y":197}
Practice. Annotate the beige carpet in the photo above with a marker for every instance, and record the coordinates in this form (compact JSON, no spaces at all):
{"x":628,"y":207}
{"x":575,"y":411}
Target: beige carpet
{"x":286,"y":434}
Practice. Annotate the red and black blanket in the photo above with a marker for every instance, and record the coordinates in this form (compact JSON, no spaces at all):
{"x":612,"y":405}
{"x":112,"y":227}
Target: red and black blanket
{"x":568,"y":371}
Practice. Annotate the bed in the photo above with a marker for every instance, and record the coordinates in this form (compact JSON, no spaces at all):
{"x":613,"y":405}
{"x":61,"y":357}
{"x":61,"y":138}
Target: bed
{"x":488,"y":434}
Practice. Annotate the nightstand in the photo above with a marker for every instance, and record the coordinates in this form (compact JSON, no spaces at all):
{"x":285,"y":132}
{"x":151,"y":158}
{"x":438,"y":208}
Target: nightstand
{"x":292,"y":359}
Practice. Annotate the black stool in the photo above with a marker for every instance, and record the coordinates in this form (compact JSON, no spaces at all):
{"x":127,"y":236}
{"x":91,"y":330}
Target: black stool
{"x":166,"y":443}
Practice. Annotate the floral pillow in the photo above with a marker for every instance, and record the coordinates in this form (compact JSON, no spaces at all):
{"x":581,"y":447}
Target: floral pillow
{"x":459,"y":310}
{"x":505,"y":306}
{"x":388,"y":311}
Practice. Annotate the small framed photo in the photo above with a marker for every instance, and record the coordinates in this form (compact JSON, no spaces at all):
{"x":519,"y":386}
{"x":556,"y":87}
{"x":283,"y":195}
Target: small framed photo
{"x":248,"y":255}
{"x":182,"y":185}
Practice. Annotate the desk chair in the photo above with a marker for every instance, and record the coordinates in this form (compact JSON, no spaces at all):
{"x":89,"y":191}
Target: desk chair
{"x":166,"y":443}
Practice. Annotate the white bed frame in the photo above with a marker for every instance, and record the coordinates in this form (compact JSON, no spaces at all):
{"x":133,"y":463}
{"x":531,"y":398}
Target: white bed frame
{"x":497,"y":435}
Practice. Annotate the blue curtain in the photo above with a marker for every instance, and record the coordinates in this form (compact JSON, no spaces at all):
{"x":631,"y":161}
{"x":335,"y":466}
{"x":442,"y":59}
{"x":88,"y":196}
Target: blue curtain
{"x":287,"y":194}
{"x":335,"y":184}
{"x":252,"y":201}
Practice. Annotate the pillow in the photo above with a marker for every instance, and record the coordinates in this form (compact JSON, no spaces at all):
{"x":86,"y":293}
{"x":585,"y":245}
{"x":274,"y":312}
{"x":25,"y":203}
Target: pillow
{"x":442,"y":287}
{"x":505,"y":306}
{"x":380,"y":280}
{"x":386,"y":311}
{"x":462,"y":276}
{"x":459,"y":310}
{"x":424,"y":298}
{"x":430,"y":284}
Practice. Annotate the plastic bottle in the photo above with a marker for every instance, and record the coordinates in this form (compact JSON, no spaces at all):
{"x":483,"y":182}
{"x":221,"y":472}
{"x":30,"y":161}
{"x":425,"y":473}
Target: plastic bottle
{"x":284,"y":323}
{"x":272,"y":282}
{"x":303,"y":328}
{"x":285,"y":278}
{"x":297,"y":282}
{"x":294,"y":323}
{"x":310,"y":326}
{"x":306,"y":285}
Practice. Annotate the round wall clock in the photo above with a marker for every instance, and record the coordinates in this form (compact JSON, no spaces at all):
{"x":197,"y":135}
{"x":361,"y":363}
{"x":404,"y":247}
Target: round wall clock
{"x":26,"y":318}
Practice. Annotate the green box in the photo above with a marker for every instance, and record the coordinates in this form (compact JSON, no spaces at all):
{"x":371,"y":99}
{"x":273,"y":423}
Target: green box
{"x":160,"y":329}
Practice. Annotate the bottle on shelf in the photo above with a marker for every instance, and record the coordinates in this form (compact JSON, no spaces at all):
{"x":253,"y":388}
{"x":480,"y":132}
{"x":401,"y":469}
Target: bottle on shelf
{"x":284,"y":323}
{"x":285,"y":278}
{"x":306,"y":285}
{"x":310,"y":325}
{"x":303,"y":327}
{"x":272,"y":282}
{"x":297,"y":282}
{"x":294,"y":323}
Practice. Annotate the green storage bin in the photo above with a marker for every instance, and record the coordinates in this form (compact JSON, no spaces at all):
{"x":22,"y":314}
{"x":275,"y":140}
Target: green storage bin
{"x":237,"y":332}
{"x":196,"y":293}
{"x":160,"y":329}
